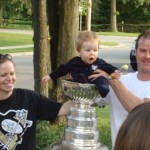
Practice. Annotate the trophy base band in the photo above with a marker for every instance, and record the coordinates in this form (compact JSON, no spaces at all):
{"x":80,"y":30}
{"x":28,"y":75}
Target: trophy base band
{"x":81,"y":147}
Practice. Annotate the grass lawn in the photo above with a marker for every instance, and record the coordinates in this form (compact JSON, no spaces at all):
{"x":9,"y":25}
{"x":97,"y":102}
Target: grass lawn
{"x":17,"y":50}
{"x":109,"y":43}
{"x":103,"y":125}
{"x":14,"y":39}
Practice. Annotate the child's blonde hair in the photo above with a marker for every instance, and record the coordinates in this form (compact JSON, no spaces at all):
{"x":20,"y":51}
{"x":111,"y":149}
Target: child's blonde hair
{"x":85,"y":36}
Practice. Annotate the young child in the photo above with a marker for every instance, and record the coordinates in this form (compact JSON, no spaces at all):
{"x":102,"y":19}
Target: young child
{"x":80,"y":67}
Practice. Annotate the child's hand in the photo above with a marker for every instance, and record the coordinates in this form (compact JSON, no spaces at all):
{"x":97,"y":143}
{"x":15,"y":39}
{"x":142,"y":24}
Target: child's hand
{"x":46,"y":79}
{"x":115,"y":75}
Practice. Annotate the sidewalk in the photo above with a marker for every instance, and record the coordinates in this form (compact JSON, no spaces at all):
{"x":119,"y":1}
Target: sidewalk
{"x":15,"y":47}
{"x":16,"y":31}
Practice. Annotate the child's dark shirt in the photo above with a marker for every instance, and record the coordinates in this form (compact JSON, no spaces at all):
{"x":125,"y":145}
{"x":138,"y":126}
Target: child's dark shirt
{"x":76,"y":67}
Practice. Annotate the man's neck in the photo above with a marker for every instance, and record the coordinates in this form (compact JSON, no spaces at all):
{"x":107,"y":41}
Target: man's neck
{"x":143,"y":76}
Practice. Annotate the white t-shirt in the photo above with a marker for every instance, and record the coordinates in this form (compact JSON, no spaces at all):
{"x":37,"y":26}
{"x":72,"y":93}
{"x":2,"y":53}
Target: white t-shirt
{"x":117,"y":112}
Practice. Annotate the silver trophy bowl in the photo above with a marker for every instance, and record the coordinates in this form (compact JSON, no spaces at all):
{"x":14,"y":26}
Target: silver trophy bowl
{"x":84,"y":94}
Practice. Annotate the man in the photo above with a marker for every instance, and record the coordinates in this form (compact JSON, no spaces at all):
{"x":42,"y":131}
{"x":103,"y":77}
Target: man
{"x":132,"y":89}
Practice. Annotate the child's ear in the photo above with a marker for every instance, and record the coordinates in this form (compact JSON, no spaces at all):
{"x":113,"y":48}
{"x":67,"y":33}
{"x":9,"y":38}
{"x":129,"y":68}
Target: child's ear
{"x":77,"y":52}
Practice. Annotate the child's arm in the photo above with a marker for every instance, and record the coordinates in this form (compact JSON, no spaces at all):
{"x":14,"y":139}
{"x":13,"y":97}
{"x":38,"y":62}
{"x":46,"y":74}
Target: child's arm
{"x":108,"y":68}
{"x":62,"y":70}
{"x":115,"y":75}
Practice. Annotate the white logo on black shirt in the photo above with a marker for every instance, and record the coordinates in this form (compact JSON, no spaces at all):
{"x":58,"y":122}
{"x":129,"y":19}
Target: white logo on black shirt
{"x":13,"y":126}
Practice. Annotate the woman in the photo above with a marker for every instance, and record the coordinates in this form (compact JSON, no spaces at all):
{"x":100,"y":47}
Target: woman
{"x":20,"y":108}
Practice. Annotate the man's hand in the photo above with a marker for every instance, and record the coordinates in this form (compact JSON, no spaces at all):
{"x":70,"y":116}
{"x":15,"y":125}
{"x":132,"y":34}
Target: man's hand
{"x":97,"y":73}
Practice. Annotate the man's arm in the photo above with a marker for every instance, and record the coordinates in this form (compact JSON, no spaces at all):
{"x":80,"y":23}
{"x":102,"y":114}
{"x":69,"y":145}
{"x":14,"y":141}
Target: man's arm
{"x":64,"y":110}
{"x":128,"y":100}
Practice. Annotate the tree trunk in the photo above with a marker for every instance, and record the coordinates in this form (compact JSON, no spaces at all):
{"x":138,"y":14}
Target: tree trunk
{"x":2,"y":5}
{"x":88,"y":16}
{"x":69,"y":25}
{"x":41,"y":52}
{"x":68,"y":29}
{"x":53,"y":21}
{"x":113,"y":20}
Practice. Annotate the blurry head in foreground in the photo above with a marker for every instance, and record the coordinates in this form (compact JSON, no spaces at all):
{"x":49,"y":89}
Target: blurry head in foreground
{"x":134,"y":133}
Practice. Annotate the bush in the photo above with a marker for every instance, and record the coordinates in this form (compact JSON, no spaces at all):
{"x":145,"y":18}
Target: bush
{"x":129,"y":28}
{"x":48,"y":134}
{"x":17,"y":24}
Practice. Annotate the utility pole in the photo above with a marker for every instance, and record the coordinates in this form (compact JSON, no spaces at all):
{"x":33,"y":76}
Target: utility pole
{"x":80,"y":19}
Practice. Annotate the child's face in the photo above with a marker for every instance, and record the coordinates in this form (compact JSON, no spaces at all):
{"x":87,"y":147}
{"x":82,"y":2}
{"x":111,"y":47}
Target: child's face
{"x":89,"y":51}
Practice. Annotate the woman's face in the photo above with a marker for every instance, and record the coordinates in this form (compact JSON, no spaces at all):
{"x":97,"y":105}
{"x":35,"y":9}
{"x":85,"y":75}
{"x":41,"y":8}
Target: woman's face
{"x":7,"y":77}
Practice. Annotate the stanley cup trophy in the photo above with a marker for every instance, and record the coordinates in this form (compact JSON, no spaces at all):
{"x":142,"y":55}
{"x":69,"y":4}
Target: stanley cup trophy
{"x":81,"y":130}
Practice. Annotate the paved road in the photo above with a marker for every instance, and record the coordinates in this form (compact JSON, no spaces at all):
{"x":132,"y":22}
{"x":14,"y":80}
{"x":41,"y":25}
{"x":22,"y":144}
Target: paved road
{"x":24,"y":70}
{"x":117,"y":55}
{"x":23,"y":61}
